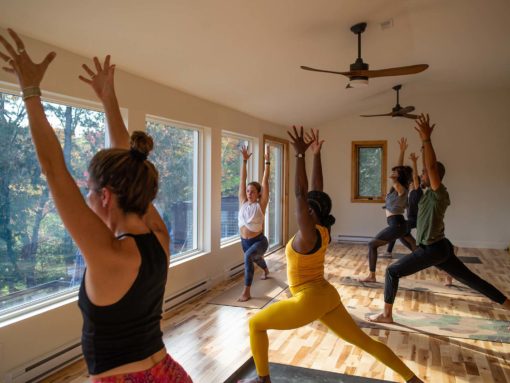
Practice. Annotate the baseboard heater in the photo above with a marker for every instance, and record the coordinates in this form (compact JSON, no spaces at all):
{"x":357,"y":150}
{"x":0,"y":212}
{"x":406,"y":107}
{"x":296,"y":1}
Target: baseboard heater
{"x":235,"y":270}
{"x":47,"y":365}
{"x":353,"y":239}
{"x":186,"y":295}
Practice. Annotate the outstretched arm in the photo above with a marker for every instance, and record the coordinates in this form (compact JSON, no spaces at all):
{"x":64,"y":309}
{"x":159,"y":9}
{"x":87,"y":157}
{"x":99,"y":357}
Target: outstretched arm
{"x":414,"y":160}
{"x":264,"y":198}
{"x":316,"y":145}
{"x":81,"y":222}
{"x":429,"y":156}
{"x":402,"y":143}
{"x":102,"y":82}
{"x":306,"y":236}
{"x":243,"y":176}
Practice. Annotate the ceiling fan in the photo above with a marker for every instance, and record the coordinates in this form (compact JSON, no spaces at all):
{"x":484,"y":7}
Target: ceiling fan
{"x":359,"y":74}
{"x":397,"y":110}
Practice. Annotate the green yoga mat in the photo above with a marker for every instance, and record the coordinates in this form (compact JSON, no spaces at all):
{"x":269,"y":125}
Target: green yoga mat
{"x":282,"y":373}
{"x":415,"y":285}
{"x":451,"y":326}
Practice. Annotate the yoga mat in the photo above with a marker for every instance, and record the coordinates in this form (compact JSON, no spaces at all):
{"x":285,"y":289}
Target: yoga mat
{"x":464,"y":259}
{"x":451,"y":326}
{"x":282,"y":373}
{"x":416,"y":285}
{"x":262,"y":292}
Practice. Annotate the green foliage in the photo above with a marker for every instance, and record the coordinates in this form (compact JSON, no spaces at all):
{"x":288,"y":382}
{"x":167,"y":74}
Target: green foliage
{"x":33,"y":246}
{"x":369,"y":168}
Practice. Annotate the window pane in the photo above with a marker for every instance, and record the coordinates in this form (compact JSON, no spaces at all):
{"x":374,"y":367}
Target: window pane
{"x":230,"y":177}
{"x":38,"y":259}
{"x":274,"y":211}
{"x":175,"y":156}
{"x":369,"y":171}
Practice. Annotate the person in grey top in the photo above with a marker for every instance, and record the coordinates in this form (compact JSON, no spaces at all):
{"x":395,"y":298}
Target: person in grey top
{"x":396,"y":203}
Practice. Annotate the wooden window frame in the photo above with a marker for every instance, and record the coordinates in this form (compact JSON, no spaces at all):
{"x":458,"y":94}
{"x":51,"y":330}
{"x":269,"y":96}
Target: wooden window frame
{"x":285,"y":191}
{"x":355,"y":197}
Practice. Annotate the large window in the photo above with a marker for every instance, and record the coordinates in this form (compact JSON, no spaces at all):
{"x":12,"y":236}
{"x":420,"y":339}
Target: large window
{"x":276,"y":220}
{"x":176,"y":156}
{"x":38,"y":259}
{"x":368,"y":182}
{"x":230,"y":177}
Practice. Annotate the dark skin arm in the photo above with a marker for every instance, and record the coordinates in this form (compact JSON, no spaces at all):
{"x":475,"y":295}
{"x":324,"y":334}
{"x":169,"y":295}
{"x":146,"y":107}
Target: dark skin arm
{"x":316,"y":146}
{"x":306,"y":236}
{"x":429,"y":156}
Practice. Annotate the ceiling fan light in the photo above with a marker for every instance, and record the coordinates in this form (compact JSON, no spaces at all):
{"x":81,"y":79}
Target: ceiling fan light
{"x":359,"y":82}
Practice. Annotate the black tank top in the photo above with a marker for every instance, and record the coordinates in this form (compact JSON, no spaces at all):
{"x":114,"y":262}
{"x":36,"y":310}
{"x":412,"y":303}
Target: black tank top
{"x":128,"y":330}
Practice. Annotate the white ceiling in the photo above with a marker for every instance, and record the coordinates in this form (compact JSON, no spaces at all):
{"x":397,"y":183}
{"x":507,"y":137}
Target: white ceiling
{"x":246,"y":54}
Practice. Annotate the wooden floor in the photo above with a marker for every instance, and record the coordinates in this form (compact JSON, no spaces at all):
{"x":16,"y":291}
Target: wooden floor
{"x":211,"y":341}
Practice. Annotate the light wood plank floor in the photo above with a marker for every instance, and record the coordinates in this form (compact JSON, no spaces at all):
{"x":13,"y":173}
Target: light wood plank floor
{"x":211,"y":341}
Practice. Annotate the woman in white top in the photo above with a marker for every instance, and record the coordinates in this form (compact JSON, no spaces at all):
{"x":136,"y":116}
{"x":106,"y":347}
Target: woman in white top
{"x":253,"y":200}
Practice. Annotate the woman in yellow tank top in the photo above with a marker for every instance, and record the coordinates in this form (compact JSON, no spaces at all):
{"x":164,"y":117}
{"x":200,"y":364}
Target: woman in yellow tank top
{"x":312,"y":296}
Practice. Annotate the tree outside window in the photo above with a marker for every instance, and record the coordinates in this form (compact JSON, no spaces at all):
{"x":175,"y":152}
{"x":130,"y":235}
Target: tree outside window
{"x":368,"y":172}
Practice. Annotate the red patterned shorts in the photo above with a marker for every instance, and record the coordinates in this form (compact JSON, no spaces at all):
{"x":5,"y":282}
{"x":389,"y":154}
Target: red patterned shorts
{"x":166,"y":371}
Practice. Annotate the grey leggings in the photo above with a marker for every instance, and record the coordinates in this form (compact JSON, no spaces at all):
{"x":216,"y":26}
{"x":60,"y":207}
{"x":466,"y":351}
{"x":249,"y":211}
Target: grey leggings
{"x":397,"y":228}
{"x":441,"y":255}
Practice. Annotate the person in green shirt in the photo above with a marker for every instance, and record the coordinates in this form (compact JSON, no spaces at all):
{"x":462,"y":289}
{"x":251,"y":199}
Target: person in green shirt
{"x":434,"y":249}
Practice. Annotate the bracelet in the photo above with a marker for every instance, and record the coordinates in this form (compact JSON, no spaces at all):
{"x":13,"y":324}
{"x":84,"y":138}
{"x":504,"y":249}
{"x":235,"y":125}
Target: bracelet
{"x":426,"y":140}
{"x":300,"y":155}
{"x":268,"y":163}
{"x":30,"y":91}
{"x":245,"y":161}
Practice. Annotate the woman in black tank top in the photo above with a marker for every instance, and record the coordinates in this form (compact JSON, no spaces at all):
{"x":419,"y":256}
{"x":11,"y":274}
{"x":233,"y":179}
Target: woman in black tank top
{"x":119,"y":232}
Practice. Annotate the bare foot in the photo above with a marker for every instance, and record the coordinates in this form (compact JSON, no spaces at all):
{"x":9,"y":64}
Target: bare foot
{"x":387,"y":255}
{"x":379,"y":318}
{"x":370,"y":278}
{"x":449,"y":281}
{"x":265,"y":275}
{"x":257,"y":379}
{"x":244,"y":298}
{"x":415,"y":379}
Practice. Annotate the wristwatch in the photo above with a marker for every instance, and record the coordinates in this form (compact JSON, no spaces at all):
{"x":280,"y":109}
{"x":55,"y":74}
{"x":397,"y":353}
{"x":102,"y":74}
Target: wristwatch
{"x":300,"y":155}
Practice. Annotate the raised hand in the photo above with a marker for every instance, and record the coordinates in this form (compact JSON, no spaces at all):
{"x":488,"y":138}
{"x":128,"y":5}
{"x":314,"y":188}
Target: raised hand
{"x":244,"y":152}
{"x":19,"y":63}
{"x":267,"y":155}
{"x":424,"y":129}
{"x":298,"y":141}
{"x":413,"y":157}
{"x":402,"y":143}
{"x":315,"y":143}
{"x":102,"y":81}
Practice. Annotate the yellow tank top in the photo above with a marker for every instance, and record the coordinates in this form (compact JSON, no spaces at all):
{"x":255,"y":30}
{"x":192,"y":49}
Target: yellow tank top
{"x":303,"y":268}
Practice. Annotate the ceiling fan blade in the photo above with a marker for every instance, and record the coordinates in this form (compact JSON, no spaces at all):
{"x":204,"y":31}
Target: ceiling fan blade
{"x":376,"y":115}
{"x":411,"y":116}
{"x":399,"y":71}
{"x":324,"y":71}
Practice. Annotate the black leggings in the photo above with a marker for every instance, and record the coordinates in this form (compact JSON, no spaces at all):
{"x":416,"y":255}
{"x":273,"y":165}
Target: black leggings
{"x":441,"y":255}
{"x":397,"y":228}
{"x":407,"y":240}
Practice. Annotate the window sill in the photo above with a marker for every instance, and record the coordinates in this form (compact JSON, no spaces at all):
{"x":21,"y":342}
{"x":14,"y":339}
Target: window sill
{"x":187,"y":258}
{"x":230,"y":242}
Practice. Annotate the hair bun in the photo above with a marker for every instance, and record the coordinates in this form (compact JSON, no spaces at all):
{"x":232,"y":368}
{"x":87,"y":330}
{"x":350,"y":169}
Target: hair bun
{"x":141,"y":142}
{"x":329,"y":220}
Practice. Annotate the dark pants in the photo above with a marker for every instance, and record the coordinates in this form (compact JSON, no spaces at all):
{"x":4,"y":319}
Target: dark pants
{"x":407,"y":240}
{"x":254,"y":249}
{"x":397,"y":228}
{"x":441,"y":255}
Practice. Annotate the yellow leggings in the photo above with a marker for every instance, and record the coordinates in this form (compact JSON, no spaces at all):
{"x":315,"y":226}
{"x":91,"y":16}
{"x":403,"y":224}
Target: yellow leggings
{"x":316,"y":300}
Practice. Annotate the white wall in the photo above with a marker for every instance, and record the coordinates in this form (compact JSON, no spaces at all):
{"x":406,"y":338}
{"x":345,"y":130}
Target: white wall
{"x":62,"y":325}
{"x":472,"y":139}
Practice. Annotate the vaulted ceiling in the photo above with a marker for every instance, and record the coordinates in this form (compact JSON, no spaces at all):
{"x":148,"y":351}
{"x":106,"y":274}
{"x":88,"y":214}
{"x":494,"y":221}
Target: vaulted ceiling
{"x":246,"y":54}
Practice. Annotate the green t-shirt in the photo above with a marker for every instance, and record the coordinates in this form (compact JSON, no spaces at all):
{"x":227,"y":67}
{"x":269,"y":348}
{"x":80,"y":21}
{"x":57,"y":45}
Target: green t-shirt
{"x":431,"y":210}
